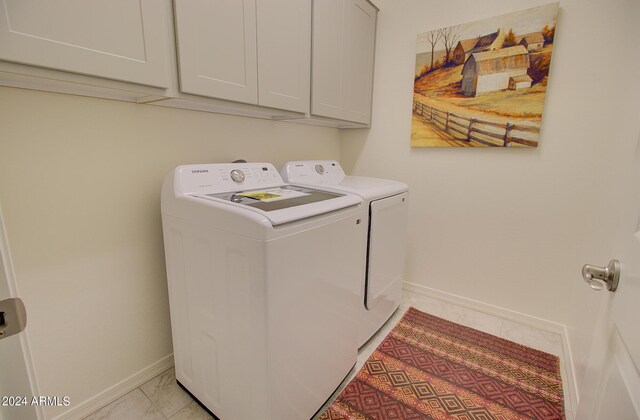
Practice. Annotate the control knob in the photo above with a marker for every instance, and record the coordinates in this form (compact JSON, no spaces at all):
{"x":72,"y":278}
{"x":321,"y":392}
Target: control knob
{"x":237,"y":176}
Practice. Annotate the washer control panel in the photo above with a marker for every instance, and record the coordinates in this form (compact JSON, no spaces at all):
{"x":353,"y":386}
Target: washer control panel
{"x":313,"y":172}
{"x":226,"y":177}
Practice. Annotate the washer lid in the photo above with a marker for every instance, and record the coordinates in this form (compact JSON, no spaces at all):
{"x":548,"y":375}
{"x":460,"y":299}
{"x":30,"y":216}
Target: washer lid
{"x":257,"y":187}
{"x":370,"y":188}
{"x":286,"y":203}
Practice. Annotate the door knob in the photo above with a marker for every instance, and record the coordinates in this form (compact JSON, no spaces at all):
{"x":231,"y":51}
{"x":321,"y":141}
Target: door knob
{"x":13,"y":317}
{"x":598,"y":277}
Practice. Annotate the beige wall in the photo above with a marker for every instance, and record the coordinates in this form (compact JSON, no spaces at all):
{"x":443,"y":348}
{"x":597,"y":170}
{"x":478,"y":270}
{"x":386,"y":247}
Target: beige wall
{"x":511,"y":228}
{"x":80,"y":186}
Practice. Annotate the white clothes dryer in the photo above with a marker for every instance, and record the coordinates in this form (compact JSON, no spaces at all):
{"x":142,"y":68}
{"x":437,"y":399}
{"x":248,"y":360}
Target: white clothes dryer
{"x":263,"y":288}
{"x":387,"y":205}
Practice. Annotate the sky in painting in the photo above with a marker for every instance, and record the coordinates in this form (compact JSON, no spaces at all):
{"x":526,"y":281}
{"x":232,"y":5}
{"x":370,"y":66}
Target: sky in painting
{"x":523,"y":22}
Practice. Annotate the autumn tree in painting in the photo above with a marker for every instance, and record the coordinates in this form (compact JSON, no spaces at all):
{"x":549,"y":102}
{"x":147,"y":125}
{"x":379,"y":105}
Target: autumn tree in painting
{"x":433,"y":38}
{"x":548,"y":33}
{"x":425,"y":69}
{"x":509,"y":40}
{"x":450,"y":37}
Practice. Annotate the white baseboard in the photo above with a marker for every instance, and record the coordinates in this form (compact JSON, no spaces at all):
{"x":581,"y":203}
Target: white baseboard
{"x":531,"y":321}
{"x":486,"y":308}
{"x":116,"y":391}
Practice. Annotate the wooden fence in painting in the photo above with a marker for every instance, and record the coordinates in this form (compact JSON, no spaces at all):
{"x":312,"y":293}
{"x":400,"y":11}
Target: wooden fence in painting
{"x":469,"y":129}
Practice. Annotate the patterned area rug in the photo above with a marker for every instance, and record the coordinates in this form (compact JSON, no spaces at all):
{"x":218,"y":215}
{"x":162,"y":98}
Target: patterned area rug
{"x":430,"y":368}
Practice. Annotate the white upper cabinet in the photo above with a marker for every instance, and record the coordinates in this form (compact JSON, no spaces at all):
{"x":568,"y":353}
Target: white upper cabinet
{"x":328,"y":25}
{"x":125,"y":40}
{"x":284,"y":54}
{"x":254,"y":58}
{"x":217,"y":48}
{"x":358,"y":54}
{"x":342,"y":61}
{"x":249,"y":51}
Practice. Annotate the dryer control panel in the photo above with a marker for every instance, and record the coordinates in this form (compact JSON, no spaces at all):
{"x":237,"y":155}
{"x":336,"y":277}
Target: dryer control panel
{"x":225,"y":177}
{"x":313,"y":172}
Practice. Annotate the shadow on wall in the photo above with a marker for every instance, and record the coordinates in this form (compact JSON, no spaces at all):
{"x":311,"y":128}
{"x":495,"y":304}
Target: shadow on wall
{"x":352,"y":144}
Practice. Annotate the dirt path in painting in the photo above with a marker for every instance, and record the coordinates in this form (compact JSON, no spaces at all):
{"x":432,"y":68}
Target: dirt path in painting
{"x":426,"y":135}
{"x":467,"y":112}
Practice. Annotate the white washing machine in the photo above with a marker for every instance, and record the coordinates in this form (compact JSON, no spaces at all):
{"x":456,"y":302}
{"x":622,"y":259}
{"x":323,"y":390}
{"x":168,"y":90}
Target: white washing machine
{"x":263,"y":288}
{"x":387,"y":205}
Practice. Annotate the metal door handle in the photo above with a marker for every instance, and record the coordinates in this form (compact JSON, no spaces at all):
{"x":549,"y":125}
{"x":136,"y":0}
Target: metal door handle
{"x":598,"y":277}
{"x":13,"y":317}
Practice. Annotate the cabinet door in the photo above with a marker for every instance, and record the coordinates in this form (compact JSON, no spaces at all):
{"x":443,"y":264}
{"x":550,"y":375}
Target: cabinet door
{"x":358,"y":52}
{"x":118,"y":39}
{"x":326,"y":83}
{"x":342,"y":65}
{"x":284,"y":54}
{"x":216,"y":42}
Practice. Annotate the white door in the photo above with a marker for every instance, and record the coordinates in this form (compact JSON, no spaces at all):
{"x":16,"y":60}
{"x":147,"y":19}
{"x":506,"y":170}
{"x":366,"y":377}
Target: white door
{"x":116,"y":39}
{"x":612,"y":386}
{"x":15,"y":386}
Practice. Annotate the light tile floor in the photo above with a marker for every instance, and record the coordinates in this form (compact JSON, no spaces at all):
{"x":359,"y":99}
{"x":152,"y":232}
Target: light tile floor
{"x":162,"y":399}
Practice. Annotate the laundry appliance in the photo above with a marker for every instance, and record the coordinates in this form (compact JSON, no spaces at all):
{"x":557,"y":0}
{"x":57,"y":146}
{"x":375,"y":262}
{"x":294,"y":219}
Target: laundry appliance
{"x":263,"y":288}
{"x":382,"y":266}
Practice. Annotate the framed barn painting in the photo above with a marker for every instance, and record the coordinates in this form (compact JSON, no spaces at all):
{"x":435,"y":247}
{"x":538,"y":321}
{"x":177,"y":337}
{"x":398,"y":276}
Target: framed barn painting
{"x":483,"y":84}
